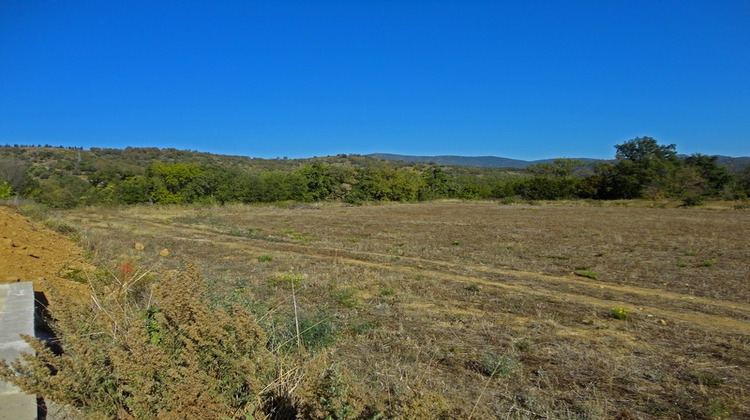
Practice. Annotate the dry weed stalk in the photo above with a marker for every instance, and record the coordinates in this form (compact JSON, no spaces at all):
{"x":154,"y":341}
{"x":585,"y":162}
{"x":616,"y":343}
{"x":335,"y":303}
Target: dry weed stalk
{"x":175,"y":358}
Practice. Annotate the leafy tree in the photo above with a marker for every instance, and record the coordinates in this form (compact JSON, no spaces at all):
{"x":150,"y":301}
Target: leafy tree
{"x":318,"y":179}
{"x":390,"y":184}
{"x":176,"y":183}
{"x":546,"y":188}
{"x":560,"y":168}
{"x":227,"y":184}
{"x":715,"y":175}
{"x":436,"y":182}
{"x":743,"y":183}
{"x":642,"y":166}
{"x":134,"y":190}
{"x":63,"y":192}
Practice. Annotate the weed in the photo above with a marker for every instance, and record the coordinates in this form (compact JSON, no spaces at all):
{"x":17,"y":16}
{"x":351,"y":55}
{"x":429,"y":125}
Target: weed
{"x":707,"y":263}
{"x":317,"y":331}
{"x":331,"y":397}
{"x":292,"y":279}
{"x":75,"y":274}
{"x":523,"y":345}
{"x":61,"y":227}
{"x":492,"y":364}
{"x":619,"y":313}
{"x":132,"y":359}
{"x":352,"y":239}
{"x":708,"y":379}
{"x":717,"y":409}
{"x":345,"y":298}
{"x":587,"y":273}
{"x":681,"y":263}
{"x":472,"y":288}
{"x":691,"y":253}
{"x":456,"y":243}
{"x":265,"y":258}
{"x":387,"y":292}
{"x":364,"y":327}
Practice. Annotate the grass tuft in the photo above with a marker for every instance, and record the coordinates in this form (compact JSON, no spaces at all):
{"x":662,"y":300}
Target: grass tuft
{"x":587,"y":273}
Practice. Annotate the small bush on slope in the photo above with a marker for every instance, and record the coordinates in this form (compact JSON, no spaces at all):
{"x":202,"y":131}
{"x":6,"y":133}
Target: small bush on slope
{"x":144,"y":350}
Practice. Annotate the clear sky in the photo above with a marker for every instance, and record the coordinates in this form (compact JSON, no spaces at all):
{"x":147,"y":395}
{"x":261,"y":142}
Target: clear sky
{"x":519,"y":79}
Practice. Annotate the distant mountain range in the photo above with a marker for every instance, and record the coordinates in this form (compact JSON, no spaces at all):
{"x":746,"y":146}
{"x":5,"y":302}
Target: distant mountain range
{"x":476,"y":161}
{"x":500,"y":162}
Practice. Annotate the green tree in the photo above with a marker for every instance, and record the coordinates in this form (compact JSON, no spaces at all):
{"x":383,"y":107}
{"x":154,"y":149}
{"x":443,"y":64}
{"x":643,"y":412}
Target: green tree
{"x":63,"y":192}
{"x":134,"y":190}
{"x":546,"y":188}
{"x":437,"y":183}
{"x":318,"y":179}
{"x":642,"y":167}
{"x":559,"y":168}
{"x":715,"y":175}
{"x":176,"y":183}
{"x":742,"y":188}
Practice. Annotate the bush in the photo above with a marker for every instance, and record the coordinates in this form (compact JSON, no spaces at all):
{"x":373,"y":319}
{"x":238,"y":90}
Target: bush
{"x":619,"y":313}
{"x":5,"y":190}
{"x":692,"y":201}
{"x":125,"y":356}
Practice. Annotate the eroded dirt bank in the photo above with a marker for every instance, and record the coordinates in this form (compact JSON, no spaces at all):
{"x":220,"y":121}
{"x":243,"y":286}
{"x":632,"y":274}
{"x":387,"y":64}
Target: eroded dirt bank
{"x":32,"y":252}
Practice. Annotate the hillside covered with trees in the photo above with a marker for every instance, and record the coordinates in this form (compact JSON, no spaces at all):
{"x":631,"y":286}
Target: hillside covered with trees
{"x":69,"y":177}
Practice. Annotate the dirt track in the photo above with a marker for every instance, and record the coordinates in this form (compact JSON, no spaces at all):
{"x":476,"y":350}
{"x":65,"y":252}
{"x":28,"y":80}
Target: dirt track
{"x":33,"y":252}
{"x":659,"y":304}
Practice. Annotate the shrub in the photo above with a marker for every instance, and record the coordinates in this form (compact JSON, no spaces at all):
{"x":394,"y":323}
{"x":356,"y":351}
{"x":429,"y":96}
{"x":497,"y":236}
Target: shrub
{"x":692,"y":201}
{"x":619,"y":313}
{"x":330,"y":397}
{"x":126,"y":355}
{"x":5,"y":190}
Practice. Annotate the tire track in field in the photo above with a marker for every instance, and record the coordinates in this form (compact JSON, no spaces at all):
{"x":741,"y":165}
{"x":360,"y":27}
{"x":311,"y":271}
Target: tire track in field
{"x":483,"y":275}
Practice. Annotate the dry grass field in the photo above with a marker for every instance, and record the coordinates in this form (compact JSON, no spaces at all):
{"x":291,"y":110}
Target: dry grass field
{"x":476,"y":309}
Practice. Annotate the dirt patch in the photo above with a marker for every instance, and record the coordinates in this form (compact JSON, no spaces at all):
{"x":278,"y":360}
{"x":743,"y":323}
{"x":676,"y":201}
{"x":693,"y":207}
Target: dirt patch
{"x":32,"y":252}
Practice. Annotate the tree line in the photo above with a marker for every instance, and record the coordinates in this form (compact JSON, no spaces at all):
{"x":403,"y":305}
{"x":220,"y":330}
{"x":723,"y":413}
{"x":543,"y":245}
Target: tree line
{"x":642,"y":168}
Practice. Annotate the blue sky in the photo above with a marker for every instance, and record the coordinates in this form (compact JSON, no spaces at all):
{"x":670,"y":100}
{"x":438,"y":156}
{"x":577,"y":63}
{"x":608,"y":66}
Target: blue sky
{"x":519,"y":79}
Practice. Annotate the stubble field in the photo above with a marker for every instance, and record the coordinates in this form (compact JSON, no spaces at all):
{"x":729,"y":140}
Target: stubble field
{"x":475,"y":309}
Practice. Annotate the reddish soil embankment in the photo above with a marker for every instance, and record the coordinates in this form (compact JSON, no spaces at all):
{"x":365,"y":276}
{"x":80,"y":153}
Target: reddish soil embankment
{"x":32,"y":252}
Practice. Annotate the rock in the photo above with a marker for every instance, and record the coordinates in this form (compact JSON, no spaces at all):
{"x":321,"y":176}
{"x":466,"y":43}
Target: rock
{"x":164,"y":252}
{"x":139,"y":246}
{"x":12,"y":279}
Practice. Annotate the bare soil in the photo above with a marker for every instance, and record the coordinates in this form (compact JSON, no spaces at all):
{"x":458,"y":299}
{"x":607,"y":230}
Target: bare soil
{"x":32,"y":252}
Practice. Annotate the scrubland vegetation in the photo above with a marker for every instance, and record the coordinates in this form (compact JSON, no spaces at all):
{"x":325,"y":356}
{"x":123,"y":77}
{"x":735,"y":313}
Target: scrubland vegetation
{"x":66,"y":178}
{"x":313,"y":307}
